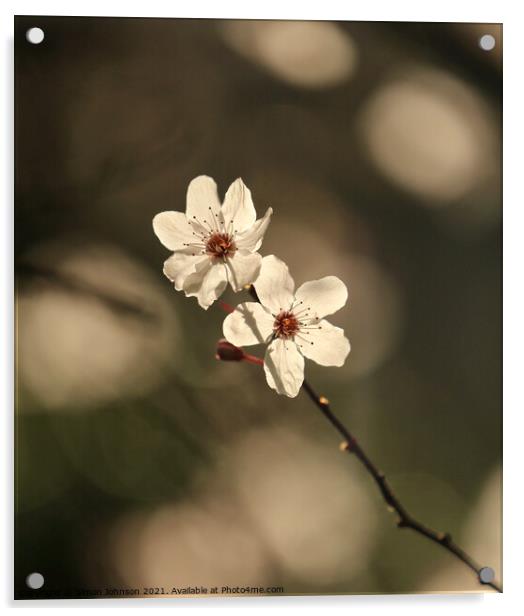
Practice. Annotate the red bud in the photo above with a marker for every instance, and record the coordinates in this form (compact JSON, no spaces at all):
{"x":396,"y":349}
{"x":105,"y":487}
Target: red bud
{"x":228,"y":352}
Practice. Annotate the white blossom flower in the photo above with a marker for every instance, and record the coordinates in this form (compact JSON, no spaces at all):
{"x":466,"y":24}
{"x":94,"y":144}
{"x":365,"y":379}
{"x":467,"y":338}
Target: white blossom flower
{"x":212,"y":244}
{"x":291,"y":323}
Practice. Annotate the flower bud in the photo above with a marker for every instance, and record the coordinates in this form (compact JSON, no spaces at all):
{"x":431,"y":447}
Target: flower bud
{"x":228,"y":352}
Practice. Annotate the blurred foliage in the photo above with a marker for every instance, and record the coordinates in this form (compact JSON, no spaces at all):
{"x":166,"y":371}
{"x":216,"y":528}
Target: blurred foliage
{"x":130,"y":436}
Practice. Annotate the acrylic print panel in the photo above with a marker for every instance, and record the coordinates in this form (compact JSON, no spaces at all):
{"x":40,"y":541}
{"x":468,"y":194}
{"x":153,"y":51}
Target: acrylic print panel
{"x":208,"y":214}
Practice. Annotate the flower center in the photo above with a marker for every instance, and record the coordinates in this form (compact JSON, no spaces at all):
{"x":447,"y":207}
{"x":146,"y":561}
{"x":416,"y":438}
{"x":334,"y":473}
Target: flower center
{"x":220,"y":245}
{"x":286,"y":325}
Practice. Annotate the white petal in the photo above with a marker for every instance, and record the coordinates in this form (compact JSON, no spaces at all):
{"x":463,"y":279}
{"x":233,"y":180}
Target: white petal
{"x":252,"y":238}
{"x":322,"y":297}
{"x":243,"y":268}
{"x":274,"y":285}
{"x":207,"y":284}
{"x":173,"y":229}
{"x":193,"y":281}
{"x":238,"y":210}
{"x":181,"y":265}
{"x":324,"y":344}
{"x":203,"y":204}
{"x":249,"y":323}
{"x":284,"y":367}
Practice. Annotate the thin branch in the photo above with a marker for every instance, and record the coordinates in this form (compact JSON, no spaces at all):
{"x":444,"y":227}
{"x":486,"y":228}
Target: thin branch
{"x":405,"y":519}
{"x":350,"y":444}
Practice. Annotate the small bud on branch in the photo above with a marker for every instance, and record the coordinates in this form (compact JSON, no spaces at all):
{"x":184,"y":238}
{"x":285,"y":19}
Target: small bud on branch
{"x":229,"y":352}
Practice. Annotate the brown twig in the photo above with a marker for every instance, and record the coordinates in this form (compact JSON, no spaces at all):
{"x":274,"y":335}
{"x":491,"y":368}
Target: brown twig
{"x":405,"y":519}
{"x":351,"y":445}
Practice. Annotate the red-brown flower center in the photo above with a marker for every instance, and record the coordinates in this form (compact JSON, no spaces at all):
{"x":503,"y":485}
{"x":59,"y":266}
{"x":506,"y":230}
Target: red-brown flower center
{"x":286,"y":325}
{"x":220,"y":245}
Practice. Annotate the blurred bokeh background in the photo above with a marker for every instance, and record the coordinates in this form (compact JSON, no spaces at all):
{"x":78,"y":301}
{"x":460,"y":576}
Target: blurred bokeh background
{"x":143,"y":461}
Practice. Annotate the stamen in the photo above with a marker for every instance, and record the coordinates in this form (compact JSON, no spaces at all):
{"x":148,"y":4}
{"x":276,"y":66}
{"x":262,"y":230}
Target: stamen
{"x":217,"y":226}
{"x":286,"y":325}
{"x":204,"y":230}
{"x":220,"y":246}
{"x":302,"y":311}
{"x":301,"y":335}
{"x":309,"y":326}
{"x":295,"y":304}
